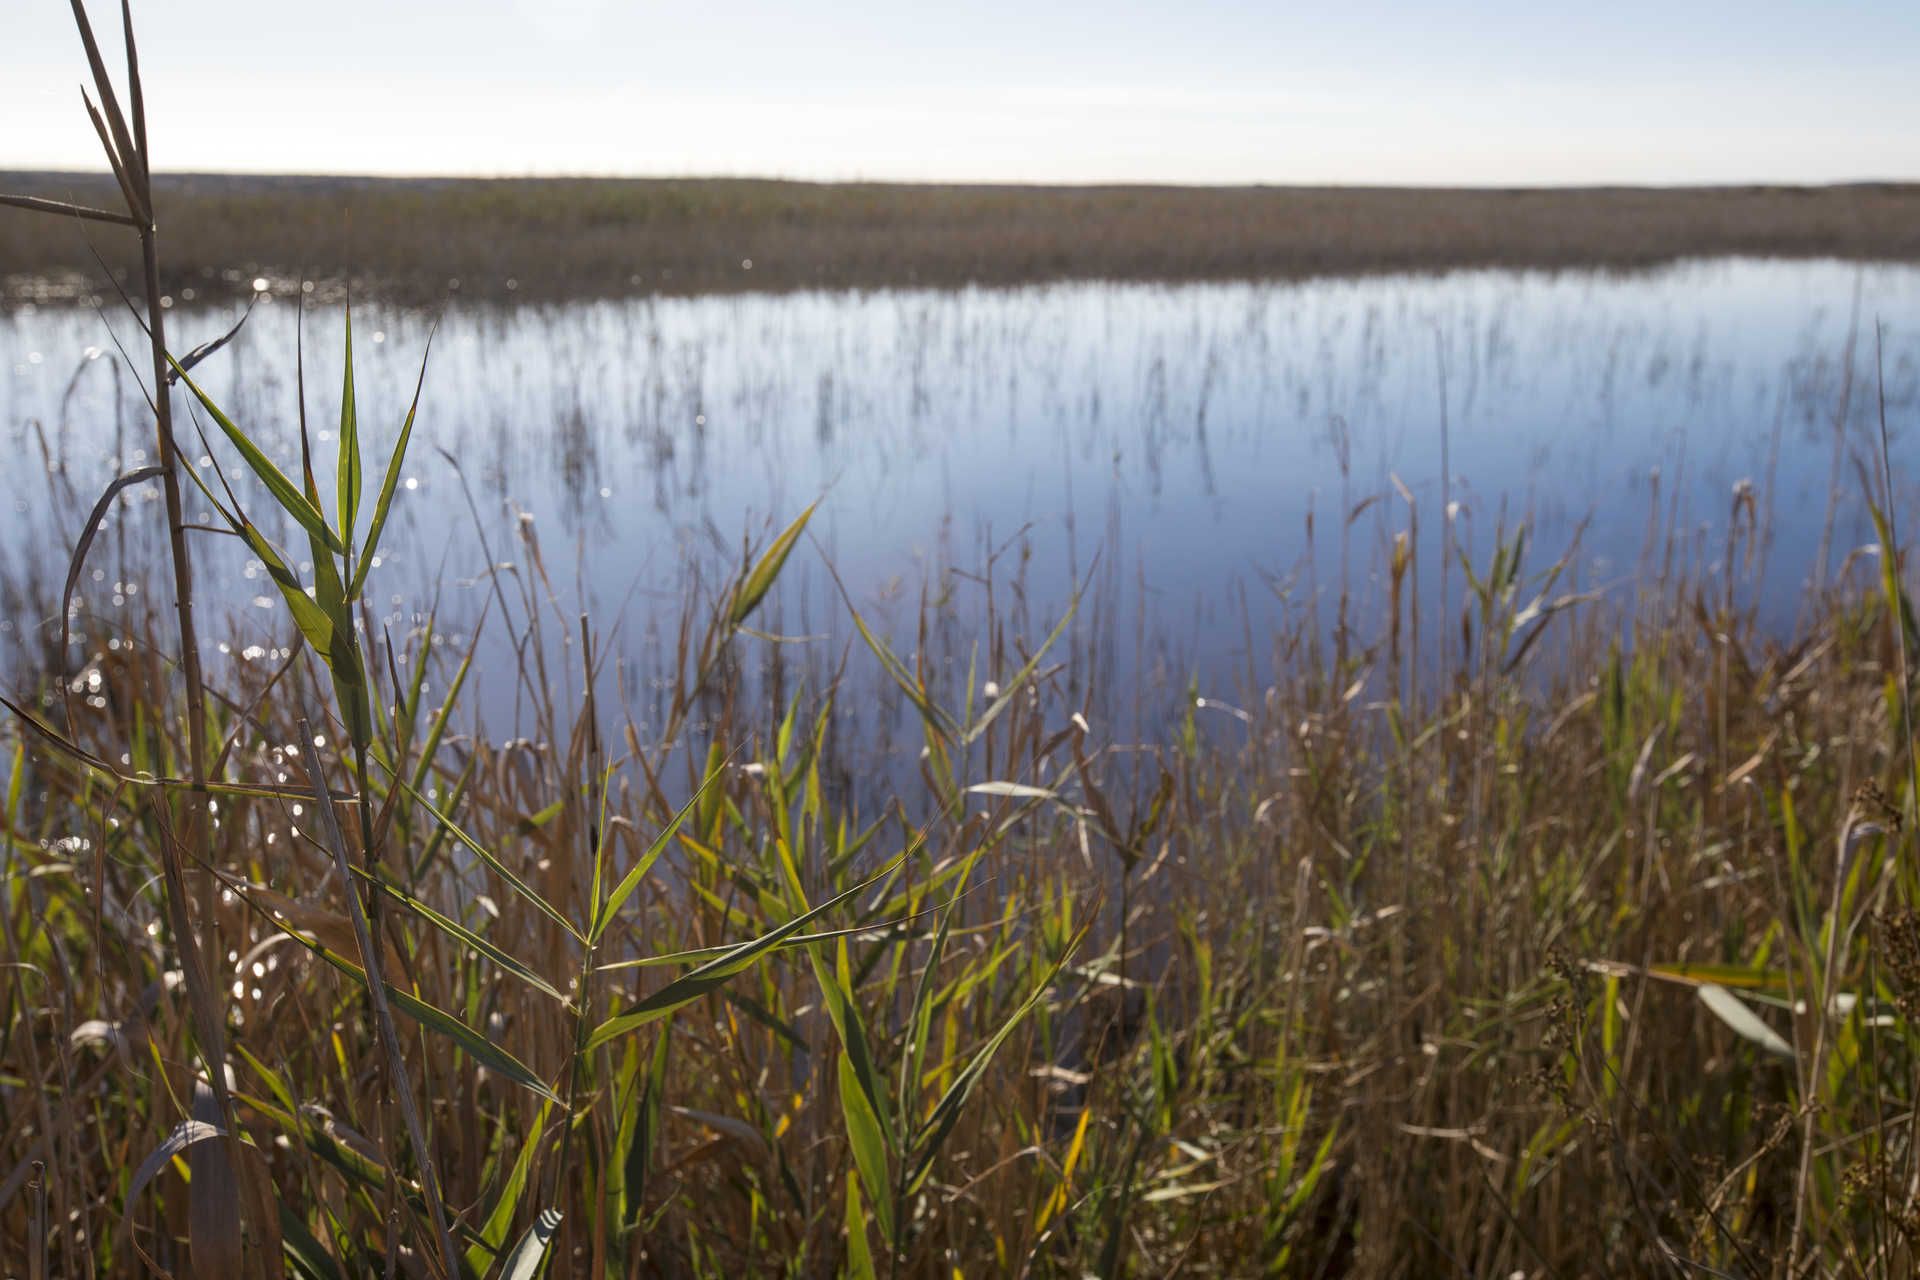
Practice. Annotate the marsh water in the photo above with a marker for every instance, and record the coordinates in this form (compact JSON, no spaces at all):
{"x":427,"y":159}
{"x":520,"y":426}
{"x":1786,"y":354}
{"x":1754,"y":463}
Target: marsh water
{"x":1211,"y":462}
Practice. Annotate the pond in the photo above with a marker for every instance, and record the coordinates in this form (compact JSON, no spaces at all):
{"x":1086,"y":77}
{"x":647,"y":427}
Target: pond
{"x":1193,"y":455}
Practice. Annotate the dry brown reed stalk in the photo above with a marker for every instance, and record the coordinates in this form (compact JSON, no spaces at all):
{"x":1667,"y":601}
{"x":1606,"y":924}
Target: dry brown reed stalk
{"x":123,"y":139}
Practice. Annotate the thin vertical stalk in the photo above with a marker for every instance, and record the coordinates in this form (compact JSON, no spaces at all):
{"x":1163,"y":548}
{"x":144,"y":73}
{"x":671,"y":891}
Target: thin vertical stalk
{"x":1840,"y":416}
{"x":583,"y":991}
{"x":1446,"y":514}
{"x":182,"y":580}
{"x":37,"y":1222}
{"x":198,"y":833}
{"x":377,"y":994}
{"x":1898,"y":618}
{"x":125,"y":147}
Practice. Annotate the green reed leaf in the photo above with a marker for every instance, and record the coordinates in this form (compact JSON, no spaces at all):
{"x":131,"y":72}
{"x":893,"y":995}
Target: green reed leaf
{"x":307,"y":1256}
{"x":349,"y":479}
{"x":868,"y":1141}
{"x":493,"y":1232}
{"x":474,"y":1044}
{"x":466,"y":937}
{"x":1020,"y":677}
{"x":341,"y":653}
{"x":284,"y":491}
{"x":920,"y":1013}
{"x":859,"y":1253}
{"x":836,"y":993}
{"x":487,"y":856}
{"x":638,"y":872}
{"x":384,"y":504}
{"x":313,"y":621}
{"x":936,"y":718}
{"x":530,"y":1255}
{"x":690,"y":986}
{"x":640,"y":1126}
{"x":946,"y":1113}
{"x":755,"y":586}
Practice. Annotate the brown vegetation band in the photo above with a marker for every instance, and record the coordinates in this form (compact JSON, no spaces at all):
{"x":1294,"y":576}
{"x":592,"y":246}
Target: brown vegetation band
{"x":557,"y":238}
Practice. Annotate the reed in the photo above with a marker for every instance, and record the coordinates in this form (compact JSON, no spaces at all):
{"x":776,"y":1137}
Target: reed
{"x":413,"y":240}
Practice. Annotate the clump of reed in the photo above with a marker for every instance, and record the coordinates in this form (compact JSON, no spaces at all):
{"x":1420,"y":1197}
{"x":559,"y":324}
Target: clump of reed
{"x":1586,"y":948}
{"x":1592,"y":950}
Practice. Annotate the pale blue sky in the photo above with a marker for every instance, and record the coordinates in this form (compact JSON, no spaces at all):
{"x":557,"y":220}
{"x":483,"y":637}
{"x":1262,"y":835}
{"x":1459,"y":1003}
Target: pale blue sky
{"x":1201,"y":91}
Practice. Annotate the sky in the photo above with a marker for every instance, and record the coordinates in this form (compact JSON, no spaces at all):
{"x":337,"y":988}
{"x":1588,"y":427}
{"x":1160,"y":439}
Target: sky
{"x":1501,"y":92}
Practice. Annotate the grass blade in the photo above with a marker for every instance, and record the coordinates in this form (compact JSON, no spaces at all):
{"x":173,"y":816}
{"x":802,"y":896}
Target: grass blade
{"x":284,"y":491}
{"x":639,"y":1126}
{"x":946,"y":1113}
{"x":349,"y":477}
{"x":88,"y":532}
{"x":859,"y":1254}
{"x":638,"y":872}
{"x":869,"y":1143}
{"x":1733,"y":1011}
{"x":475,"y":1045}
{"x":493,"y":1233}
{"x":754,"y":587}
{"x":920,"y":1015}
{"x":1021,"y":676}
{"x":468,"y":938}
{"x":391,"y":481}
{"x":690,"y":986}
{"x":212,"y":345}
{"x":487,"y":856}
{"x":529,"y":1257}
{"x":313,"y":621}
{"x":836,"y":991}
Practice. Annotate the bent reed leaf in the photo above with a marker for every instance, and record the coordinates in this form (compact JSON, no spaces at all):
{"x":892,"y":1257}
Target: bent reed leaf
{"x":284,"y":491}
{"x":690,"y":986}
{"x":754,"y":587}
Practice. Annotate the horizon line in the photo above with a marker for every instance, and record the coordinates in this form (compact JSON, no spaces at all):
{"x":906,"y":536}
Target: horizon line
{"x":1094,"y":184}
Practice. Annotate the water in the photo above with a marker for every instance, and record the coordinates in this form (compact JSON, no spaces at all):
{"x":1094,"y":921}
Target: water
{"x":1168,"y":445}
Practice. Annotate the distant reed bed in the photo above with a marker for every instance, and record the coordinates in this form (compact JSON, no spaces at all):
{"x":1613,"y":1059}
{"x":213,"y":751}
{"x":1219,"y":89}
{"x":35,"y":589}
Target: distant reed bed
{"x":410,"y":240}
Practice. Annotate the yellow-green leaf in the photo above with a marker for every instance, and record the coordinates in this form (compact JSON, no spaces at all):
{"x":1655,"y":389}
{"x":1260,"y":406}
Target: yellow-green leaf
{"x":755,"y":586}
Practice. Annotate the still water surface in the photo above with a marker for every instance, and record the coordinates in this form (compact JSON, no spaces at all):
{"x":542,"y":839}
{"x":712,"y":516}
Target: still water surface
{"x":1178,"y":447}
